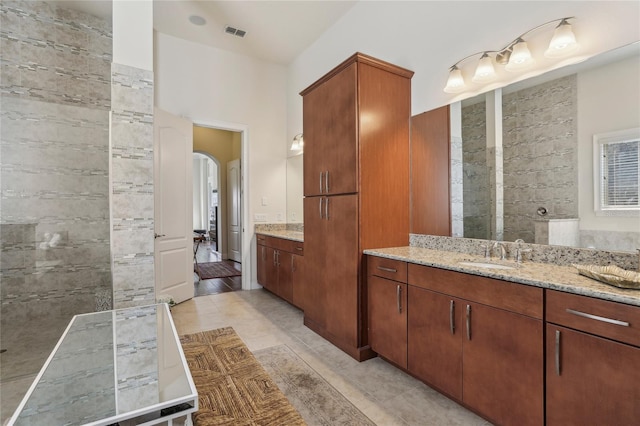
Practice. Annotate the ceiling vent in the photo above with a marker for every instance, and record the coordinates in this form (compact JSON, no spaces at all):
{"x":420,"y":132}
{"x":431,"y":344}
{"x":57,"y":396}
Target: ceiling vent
{"x":234,"y":31}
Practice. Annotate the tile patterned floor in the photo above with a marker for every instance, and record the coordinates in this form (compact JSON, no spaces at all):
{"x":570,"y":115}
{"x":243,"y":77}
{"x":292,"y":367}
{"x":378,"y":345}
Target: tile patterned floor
{"x":382,"y":392}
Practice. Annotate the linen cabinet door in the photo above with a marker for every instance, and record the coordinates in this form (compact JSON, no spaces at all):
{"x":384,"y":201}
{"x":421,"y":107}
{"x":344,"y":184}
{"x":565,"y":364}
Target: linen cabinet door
{"x":341,"y":268}
{"x":503,"y":365}
{"x":388,"y":319}
{"x":591,"y":380}
{"x":435,"y":329}
{"x":315,"y":247}
{"x":330,"y":135}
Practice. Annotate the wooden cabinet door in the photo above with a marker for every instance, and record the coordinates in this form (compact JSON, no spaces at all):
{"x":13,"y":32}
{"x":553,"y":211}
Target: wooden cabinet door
{"x":330,"y":135}
{"x":591,"y":380}
{"x":271,"y":270}
{"x":340,"y":273}
{"x":285,"y":275}
{"x":435,"y":331}
{"x":262,"y":264}
{"x":503,"y":365}
{"x":299,"y":296}
{"x":315,"y":246}
{"x":388,"y":319}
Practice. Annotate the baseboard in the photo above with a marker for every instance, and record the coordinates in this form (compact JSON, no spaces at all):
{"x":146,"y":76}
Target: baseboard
{"x":358,"y":353}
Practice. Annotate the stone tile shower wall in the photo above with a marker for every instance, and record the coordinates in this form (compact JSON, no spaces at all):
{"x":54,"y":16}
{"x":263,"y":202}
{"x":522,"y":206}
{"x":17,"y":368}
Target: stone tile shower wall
{"x":54,"y":211}
{"x":475,"y":180}
{"x":132,"y":206}
{"x":540,"y":161}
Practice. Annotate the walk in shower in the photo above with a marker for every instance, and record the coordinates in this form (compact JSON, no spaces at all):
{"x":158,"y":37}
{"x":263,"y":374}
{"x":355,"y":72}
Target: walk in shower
{"x":54,"y":155}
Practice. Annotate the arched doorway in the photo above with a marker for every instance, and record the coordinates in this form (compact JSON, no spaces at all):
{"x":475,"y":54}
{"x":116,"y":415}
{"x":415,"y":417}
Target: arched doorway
{"x":206,"y":200}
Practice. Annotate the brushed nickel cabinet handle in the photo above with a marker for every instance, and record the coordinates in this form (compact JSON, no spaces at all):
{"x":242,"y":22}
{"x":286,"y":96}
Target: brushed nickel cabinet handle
{"x":326,"y":208}
{"x":274,"y":258}
{"x":452,"y":320}
{"x":468,"y":322}
{"x":264,"y":253}
{"x":320,"y":207}
{"x":398,"y":296}
{"x":321,"y":173}
{"x":598,"y":318}
{"x":299,"y":248}
{"x":382,"y":268}
{"x":558,"y":335}
{"x":326,"y":181}
{"x":293,"y":263}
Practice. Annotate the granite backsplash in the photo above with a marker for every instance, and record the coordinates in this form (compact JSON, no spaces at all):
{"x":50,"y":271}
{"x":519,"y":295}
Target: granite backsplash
{"x":558,"y":255}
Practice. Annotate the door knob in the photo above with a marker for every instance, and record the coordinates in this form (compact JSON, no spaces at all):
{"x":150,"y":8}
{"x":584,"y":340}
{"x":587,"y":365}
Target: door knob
{"x":155,"y":235}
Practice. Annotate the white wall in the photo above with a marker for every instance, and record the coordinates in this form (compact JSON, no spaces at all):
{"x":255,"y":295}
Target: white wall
{"x":133,"y":33}
{"x":210,"y":85}
{"x":601,"y":92}
{"x":428,"y":37}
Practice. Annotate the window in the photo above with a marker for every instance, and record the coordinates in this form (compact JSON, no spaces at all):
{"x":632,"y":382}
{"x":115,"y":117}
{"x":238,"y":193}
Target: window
{"x":617,"y":173}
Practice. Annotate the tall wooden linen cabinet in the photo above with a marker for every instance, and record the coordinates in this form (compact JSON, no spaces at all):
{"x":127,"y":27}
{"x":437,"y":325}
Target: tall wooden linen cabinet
{"x":356,"y":122}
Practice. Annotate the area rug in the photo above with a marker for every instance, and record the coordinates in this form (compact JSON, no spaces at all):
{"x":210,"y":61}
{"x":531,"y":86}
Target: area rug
{"x":316,"y":400}
{"x":233,"y":388}
{"x":210,"y":270}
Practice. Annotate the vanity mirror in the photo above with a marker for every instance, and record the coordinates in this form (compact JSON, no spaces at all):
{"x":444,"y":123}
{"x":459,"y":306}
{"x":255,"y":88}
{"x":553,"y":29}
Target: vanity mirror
{"x":535,"y":179}
{"x":294,"y":189}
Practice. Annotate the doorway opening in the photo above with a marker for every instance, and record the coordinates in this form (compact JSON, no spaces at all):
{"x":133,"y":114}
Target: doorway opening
{"x":206,"y":212}
{"x":217,"y":155}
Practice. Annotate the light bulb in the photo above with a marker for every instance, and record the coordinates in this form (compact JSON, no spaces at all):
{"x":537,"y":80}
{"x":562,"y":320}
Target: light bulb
{"x":520,"y":57}
{"x":485,"y":71}
{"x":563,"y":42}
{"x":455,"y":82}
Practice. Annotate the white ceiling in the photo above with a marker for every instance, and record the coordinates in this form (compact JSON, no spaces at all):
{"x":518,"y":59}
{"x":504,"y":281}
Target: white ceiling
{"x":277,"y":31}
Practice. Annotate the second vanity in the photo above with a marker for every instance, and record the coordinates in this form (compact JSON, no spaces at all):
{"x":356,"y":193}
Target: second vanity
{"x":533,"y":344}
{"x":281,"y":264}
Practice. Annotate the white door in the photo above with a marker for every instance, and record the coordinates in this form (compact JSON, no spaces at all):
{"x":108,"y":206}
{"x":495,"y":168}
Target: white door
{"x":173,"y":177}
{"x":233,"y":210}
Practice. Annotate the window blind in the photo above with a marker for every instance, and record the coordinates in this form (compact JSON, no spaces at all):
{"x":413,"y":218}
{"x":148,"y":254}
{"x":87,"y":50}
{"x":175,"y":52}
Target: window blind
{"x":620,"y":167}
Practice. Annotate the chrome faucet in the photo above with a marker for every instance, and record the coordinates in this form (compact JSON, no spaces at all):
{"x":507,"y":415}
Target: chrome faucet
{"x":503,"y":251}
{"x":520,"y":250}
{"x":487,"y":250}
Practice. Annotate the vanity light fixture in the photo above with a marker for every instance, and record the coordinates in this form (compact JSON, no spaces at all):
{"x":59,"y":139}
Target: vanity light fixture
{"x":515,"y":56}
{"x":485,"y":71}
{"x":563,"y":42}
{"x":298,"y":143}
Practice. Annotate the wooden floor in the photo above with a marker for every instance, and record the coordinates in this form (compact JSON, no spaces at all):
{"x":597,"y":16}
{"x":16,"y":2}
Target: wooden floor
{"x":207,"y":253}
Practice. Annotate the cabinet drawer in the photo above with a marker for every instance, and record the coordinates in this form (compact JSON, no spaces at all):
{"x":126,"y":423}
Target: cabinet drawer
{"x":604,"y":318}
{"x":291,"y":246}
{"x":518,"y":298}
{"x":387,"y":268}
{"x":283,"y":244}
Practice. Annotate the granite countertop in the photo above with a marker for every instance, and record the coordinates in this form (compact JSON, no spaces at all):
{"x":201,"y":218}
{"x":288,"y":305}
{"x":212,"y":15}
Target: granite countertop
{"x":284,"y":233}
{"x":563,"y":278}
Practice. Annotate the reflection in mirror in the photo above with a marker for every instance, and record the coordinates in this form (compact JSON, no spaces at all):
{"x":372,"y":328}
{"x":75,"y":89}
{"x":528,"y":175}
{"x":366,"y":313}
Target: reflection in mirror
{"x":547,"y":163}
{"x":475,"y":173}
{"x":294,"y":190}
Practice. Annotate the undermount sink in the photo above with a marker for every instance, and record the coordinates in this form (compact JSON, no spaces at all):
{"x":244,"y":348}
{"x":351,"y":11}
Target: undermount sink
{"x":486,"y":265}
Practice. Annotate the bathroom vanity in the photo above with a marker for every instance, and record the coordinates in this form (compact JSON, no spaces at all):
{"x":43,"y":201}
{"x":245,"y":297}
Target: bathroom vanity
{"x":490,"y":338}
{"x":281,"y":264}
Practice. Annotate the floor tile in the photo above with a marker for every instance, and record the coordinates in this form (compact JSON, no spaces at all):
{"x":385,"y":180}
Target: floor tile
{"x":381,"y":391}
